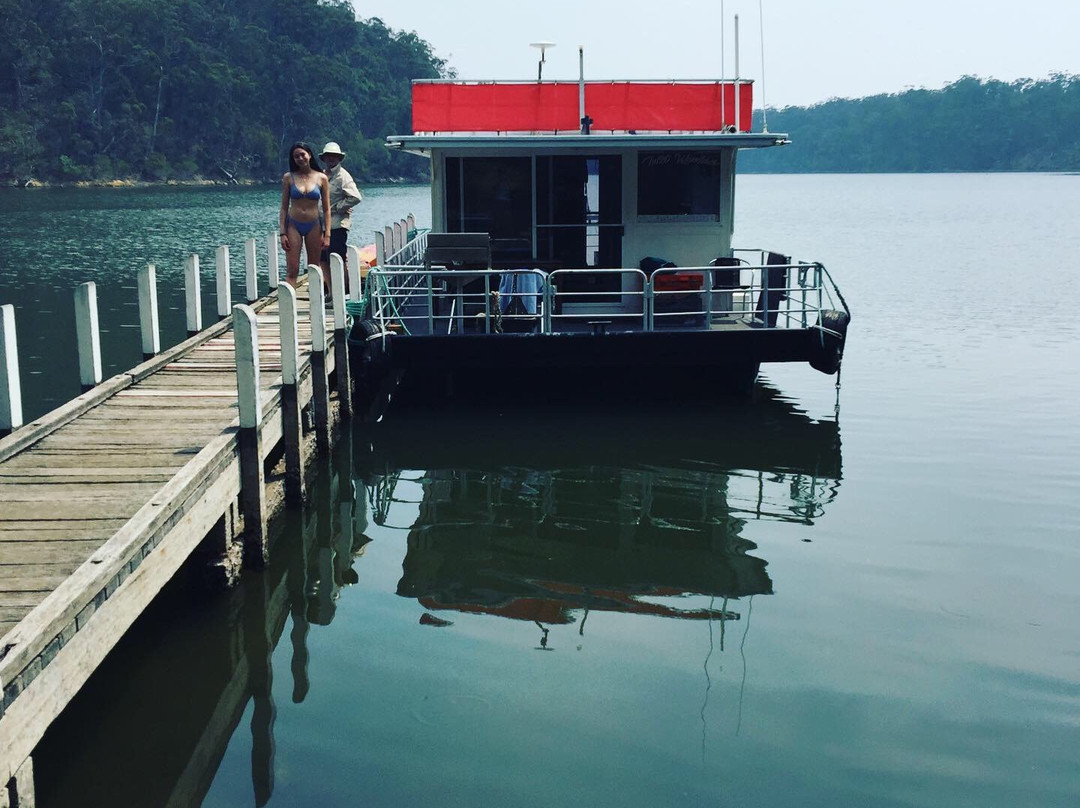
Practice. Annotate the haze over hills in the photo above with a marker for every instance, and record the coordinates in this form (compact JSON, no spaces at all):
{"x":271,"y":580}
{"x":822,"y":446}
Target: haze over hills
{"x":218,"y":89}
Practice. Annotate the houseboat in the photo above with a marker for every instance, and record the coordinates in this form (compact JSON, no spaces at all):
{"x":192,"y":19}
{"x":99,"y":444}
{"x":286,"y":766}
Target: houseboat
{"x":584,"y":228}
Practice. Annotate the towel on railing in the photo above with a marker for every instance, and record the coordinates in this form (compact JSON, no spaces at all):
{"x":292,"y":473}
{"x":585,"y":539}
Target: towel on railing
{"x":524,"y":285}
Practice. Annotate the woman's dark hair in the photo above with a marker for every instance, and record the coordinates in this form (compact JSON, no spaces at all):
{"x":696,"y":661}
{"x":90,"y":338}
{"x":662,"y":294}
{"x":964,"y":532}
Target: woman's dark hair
{"x":313,"y":161}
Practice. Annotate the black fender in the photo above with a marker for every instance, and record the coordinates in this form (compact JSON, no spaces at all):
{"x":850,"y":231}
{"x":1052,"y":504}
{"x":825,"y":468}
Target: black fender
{"x":833,"y":326}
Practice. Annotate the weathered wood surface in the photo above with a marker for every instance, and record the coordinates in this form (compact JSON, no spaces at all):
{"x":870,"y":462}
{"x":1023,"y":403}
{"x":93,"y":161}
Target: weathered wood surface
{"x":136,"y":471}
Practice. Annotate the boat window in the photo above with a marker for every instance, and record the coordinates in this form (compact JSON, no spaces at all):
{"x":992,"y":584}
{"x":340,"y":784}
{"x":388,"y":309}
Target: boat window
{"x":679,"y":183}
{"x":492,"y":195}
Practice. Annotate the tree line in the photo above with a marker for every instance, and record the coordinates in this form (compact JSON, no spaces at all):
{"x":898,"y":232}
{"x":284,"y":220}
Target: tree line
{"x":972,"y":124}
{"x":187,"y":89}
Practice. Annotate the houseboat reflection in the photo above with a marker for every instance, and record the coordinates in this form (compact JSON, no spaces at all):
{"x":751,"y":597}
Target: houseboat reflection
{"x":554,"y":514}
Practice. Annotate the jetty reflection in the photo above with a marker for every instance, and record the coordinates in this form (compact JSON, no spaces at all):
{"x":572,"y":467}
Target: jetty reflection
{"x":553,"y":514}
{"x":152,"y":727}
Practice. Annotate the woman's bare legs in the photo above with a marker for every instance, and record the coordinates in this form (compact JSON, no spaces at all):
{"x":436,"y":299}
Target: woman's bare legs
{"x":313,"y":243}
{"x":292,"y":256}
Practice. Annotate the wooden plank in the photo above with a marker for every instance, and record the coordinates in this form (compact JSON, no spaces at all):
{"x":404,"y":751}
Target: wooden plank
{"x":48,"y":532}
{"x":76,"y":491}
{"x":13,"y":525}
{"x":17,"y":553}
{"x":54,"y":474}
{"x":17,"y":600}
{"x":78,"y":509}
{"x":34,"y":431}
{"x":34,"y":577}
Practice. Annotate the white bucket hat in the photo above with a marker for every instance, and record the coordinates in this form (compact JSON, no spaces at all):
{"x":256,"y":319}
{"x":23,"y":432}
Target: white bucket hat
{"x":331,"y":148}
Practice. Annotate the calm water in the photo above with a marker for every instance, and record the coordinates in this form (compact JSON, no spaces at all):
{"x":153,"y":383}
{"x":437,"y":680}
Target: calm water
{"x":735,"y":603}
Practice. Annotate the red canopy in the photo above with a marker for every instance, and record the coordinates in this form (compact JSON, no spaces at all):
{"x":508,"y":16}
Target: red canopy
{"x":553,"y":106}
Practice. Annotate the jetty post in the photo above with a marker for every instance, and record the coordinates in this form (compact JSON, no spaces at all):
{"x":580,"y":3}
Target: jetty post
{"x":291,"y":425}
{"x":251,"y":272}
{"x":224,"y":290}
{"x":341,"y":337}
{"x":252,"y":477}
{"x":389,"y":235}
{"x":193,"y":294}
{"x":380,"y":248}
{"x":148,"y":311}
{"x":11,"y":415}
{"x":399,"y":237}
{"x":272,"y":265}
{"x":320,"y":393}
{"x":355,"y":279}
{"x":86,"y":329}
{"x":410,"y":224}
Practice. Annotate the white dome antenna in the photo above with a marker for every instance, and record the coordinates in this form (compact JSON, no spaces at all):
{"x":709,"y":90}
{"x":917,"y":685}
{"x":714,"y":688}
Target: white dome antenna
{"x":543,"y":46}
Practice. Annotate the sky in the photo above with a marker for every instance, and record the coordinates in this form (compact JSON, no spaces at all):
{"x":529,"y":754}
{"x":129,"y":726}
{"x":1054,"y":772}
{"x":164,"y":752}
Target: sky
{"x":814,"y":49}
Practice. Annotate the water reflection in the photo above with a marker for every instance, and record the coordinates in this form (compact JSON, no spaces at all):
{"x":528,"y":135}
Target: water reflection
{"x":549,"y":516}
{"x":166,"y":704}
{"x":543,"y":519}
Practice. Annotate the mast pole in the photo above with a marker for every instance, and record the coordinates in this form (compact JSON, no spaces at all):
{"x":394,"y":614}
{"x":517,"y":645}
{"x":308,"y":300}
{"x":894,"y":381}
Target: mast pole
{"x":737,"y":109}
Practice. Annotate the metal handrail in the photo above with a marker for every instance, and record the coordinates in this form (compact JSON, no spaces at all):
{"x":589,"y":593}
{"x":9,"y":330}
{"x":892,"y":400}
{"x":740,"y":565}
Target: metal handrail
{"x":409,"y":294}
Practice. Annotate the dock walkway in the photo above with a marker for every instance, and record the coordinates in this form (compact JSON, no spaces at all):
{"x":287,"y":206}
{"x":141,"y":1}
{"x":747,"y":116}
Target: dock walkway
{"x":103,"y":500}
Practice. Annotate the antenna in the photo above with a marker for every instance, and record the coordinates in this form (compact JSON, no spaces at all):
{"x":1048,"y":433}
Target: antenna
{"x":723,"y":75}
{"x":543,"y":46}
{"x":761,"y":28}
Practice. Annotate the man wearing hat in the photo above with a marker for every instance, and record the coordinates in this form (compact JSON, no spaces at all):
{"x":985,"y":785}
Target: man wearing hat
{"x":343,"y":196}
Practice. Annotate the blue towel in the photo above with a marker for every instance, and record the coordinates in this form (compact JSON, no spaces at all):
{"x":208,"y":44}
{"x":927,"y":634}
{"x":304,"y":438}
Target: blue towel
{"x":525,"y":285}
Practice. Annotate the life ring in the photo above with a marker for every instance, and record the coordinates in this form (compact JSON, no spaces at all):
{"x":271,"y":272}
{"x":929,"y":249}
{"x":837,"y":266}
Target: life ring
{"x":833,"y":326}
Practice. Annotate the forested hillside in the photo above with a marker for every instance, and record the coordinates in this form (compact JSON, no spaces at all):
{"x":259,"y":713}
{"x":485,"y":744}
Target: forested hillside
{"x":180,"y":89}
{"x":970,"y":125}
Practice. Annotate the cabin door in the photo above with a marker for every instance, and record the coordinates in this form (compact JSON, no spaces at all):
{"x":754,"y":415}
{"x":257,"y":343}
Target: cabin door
{"x":579,"y":222}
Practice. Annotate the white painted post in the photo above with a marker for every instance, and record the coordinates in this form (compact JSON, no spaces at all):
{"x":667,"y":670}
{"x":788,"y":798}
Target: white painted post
{"x":272,"y":255}
{"x":224,"y":289}
{"x":11,"y":415}
{"x":404,"y":232}
{"x":86,"y":329}
{"x":148,"y":311}
{"x":249,"y":400}
{"x":341,"y":337}
{"x":337,"y":290}
{"x":380,"y":248}
{"x":251,"y":272}
{"x":291,"y":426}
{"x":410,"y":223}
{"x":320,"y":392}
{"x":399,"y":237}
{"x":355,"y":280}
{"x":388,"y":234}
{"x":193,"y":294}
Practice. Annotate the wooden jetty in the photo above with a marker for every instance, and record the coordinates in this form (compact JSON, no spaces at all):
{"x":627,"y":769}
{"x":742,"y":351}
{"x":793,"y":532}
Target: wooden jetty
{"x":103,"y":499}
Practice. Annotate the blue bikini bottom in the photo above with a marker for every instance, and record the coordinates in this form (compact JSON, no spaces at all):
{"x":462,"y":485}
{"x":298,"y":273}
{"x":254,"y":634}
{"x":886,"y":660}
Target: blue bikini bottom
{"x":303,"y":228}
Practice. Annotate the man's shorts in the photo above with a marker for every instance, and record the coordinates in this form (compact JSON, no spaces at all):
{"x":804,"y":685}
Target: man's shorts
{"x":339,"y":239}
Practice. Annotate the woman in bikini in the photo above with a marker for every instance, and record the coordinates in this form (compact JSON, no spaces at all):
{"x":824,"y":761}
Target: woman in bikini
{"x":305,"y":207}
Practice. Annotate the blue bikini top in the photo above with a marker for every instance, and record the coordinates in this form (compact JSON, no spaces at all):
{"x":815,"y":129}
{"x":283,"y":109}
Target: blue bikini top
{"x":296,"y":193}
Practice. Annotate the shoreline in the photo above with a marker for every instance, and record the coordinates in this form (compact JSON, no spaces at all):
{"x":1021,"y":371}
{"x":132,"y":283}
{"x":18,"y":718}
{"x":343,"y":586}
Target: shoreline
{"x":32,"y":183}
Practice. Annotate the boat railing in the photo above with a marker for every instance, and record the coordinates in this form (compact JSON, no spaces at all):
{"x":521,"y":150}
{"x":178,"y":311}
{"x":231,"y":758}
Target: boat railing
{"x":411,"y":253}
{"x":418,"y":300}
